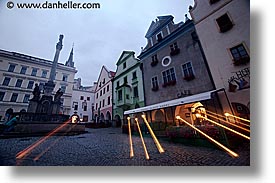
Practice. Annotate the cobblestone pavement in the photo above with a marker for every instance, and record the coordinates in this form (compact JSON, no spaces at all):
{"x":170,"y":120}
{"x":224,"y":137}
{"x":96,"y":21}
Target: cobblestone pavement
{"x":109,"y":147}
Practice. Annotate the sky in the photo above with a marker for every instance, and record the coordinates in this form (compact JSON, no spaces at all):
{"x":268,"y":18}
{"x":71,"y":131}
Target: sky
{"x":99,"y":35}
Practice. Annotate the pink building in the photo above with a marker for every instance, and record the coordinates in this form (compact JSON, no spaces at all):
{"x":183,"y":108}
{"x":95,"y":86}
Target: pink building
{"x":103,"y":96}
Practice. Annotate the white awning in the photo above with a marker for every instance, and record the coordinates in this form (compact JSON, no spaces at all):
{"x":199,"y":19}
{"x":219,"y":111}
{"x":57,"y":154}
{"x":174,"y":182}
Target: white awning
{"x":175,"y":102}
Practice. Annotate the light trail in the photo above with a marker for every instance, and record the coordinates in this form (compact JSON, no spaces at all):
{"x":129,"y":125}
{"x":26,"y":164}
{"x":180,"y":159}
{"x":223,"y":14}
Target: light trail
{"x":225,"y":127}
{"x":144,"y":146}
{"x":52,"y":144}
{"x":130,"y":138}
{"x":227,"y":114}
{"x":230,"y":152}
{"x":26,"y":151}
{"x":160,"y":149}
{"x":230,"y":123}
{"x":221,"y":116}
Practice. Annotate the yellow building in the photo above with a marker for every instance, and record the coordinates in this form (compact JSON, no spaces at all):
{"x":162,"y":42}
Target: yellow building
{"x":19,"y":73}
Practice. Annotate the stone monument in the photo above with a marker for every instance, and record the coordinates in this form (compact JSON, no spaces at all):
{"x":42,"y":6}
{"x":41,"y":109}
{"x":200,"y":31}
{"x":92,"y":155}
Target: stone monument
{"x":46,"y":104}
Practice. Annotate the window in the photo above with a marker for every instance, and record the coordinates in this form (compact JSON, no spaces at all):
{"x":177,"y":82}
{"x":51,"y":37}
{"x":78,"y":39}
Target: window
{"x":224,"y":23}
{"x":96,"y":105}
{"x":81,"y":97}
{"x":84,"y":106}
{"x":174,"y":49}
{"x":41,"y":86}
{"x":23,"y":70}
{"x":213,"y":1}
{"x":44,"y":73}
{"x":11,"y":67}
{"x":75,"y":106}
{"x":6,"y":81}
{"x":135,"y":91}
{"x":117,"y":84}
{"x":103,"y":90}
{"x":240,"y":55}
{"x":103,"y":103}
{"x":97,"y":95}
{"x":107,"y":88}
{"x":119,"y":95}
{"x":99,"y":104}
{"x":30,"y":85}
{"x":63,"y":88}
{"x":14,"y":97}
{"x":124,"y":65}
{"x":88,"y":98}
{"x":134,"y":75}
{"x":65,"y":78}
{"x":125,"y":80}
{"x":169,"y":77}
{"x":154,"y":60}
{"x":159,"y":37}
{"x":155,"y":85}
{"x":188,"y":73}
{"x":18,"y":83}
{"x":103,"y":82}
{"x":2,"y":94}
{"x":26,"y":98}
{"x":34,"y":71}
{"x":100,"y":92}
{"x":109,"y":100}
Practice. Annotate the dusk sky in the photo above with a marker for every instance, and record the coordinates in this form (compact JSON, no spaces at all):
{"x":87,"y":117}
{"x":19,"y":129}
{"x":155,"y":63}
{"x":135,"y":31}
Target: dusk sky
{"x":99,"y":35}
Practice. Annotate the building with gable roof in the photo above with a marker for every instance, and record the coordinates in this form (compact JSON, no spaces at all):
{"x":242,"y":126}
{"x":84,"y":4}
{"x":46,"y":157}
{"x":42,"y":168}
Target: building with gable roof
{"x":127,"y":86}
{"x":103,"y":96}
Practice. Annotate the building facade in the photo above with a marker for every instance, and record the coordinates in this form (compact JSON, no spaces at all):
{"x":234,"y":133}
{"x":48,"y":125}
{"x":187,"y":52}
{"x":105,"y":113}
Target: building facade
{"x":103,"y":96}
{"x":19,"y":73}
{"x":223,"y":29}
{"x":173,"y":64}
{"x":83,"y":101}
{"x":127,"y":86}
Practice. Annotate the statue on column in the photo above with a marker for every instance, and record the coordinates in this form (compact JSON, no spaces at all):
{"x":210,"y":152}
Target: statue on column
{"x":59,"y":44}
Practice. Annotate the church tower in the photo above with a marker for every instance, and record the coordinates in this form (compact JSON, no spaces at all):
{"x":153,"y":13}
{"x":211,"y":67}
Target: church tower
{"x":70,"y":62}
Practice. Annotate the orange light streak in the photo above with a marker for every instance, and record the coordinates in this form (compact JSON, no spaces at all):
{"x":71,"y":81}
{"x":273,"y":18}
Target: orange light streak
{"x":26,"y":151}
{"x":144,"y":146}
{"x":49,"y":147}
{"x":231,"y":153}
{"x":130,"y":138}
{"x":230,"y":123}
{"x":230,"y":115}
{"x":225,"y":127}
{"x":160,"y":149}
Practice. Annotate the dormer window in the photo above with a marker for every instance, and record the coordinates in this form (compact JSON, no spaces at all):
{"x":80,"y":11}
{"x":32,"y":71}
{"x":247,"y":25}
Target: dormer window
{"x":159,"y":37}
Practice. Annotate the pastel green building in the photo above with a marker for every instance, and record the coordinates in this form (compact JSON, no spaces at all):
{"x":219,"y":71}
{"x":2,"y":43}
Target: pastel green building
{"x":128,"y":90}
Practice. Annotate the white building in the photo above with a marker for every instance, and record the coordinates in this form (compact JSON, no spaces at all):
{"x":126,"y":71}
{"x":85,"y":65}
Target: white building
{"x":19,"y":73}
{"x":83,"y":99}
{"x":223,"y":27}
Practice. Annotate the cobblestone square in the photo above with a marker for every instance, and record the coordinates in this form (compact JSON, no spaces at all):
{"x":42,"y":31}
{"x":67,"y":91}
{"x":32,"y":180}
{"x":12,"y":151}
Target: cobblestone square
{"x":109,"y":147}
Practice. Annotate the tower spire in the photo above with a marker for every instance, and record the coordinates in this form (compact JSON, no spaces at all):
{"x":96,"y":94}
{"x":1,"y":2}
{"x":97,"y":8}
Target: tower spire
{"x":70,"y":62}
